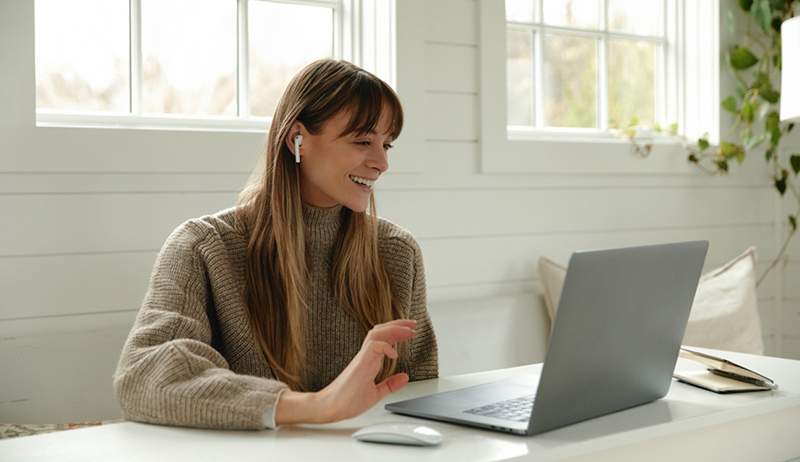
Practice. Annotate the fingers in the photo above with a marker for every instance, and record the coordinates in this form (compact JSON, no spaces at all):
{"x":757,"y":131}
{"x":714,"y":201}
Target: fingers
{"x":382,"y":348}
{"x":391,"y":332}
{"x":392,"y":384}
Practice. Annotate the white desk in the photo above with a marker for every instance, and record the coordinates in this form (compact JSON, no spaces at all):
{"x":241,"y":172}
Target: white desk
{"x":688,"y":423}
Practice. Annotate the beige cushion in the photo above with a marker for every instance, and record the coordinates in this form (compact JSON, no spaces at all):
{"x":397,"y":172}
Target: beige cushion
{"x":724,"y":313}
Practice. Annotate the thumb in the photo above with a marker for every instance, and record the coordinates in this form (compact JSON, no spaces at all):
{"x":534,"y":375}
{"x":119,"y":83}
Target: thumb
{"x":392,"y":384}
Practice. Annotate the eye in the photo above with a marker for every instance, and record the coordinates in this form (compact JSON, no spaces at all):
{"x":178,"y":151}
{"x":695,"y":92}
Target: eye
{"x":363,"y":143}
{"x":388,"y":146}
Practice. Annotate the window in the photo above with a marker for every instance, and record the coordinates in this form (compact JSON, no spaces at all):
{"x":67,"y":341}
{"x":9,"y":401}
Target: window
{"x":201,"y":64}
{"x":557,"y":74}
{"x":590,"y":64}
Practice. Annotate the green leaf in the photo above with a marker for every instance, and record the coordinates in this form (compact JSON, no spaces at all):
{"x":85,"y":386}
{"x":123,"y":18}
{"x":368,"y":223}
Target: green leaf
{"x":732,"y":151}
{"x":769,"y":153}
{"x":772,"y":121}
{"x":794,"y":161}
{"x":780,"y":185}
{"x":742,"y":58}
{"x":745,"y":4}
{"x":657,"y":127}
{"x":763,"y":85}
{"x":776,"y":23}
{"x":762,"y":13}
{"x":760,"y":81}
{"x":793,"y":222}
{"x":747,"y":112}
{"x":634,"y":121}
{"x":692,"y":158}
{"x":779,"y":5}
{"x":775,"y":136}
{"x":770,"y":95}
{"x":673,"y":128}
{"x":729,"y":104}
{"x":702,"y":144}
{"x":722,"y":166}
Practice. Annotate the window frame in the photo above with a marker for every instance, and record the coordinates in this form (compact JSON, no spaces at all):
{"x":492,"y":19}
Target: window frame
{"x":601,"y":36}
{"x":347,"y":44}
{"x":592,"y":150}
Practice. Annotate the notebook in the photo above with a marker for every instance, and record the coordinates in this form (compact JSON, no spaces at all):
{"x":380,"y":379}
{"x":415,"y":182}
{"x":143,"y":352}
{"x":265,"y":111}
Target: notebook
{"x":721,"y":375}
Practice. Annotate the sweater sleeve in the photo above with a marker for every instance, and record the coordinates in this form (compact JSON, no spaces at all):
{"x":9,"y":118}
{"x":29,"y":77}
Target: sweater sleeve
{"x":168,"y":372}
{"x":424,"y":361}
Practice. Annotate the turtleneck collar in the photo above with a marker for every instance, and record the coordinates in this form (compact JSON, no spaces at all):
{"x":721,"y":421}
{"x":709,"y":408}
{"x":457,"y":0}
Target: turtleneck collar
{"x":322,"y":218}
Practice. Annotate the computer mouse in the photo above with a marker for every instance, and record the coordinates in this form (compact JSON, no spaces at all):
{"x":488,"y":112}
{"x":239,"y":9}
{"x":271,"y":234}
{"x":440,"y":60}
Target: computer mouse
{"x":399,"y":433}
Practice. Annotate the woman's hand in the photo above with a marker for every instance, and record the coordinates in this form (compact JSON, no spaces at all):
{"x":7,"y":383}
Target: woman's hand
{"x":354,"y":390}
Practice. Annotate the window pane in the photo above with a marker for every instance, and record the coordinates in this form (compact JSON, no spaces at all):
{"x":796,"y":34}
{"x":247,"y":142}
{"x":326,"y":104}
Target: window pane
{"x":636,"y":16}
{"x":189,"y":57}
{"x":570,"y":81}
{"x":283,"y":39}
{"x":519,"y":77}
{"x":519,"y":10}
{"x":631,"y":82}
{"x":573,"y":13}
{"x":82,"y":55}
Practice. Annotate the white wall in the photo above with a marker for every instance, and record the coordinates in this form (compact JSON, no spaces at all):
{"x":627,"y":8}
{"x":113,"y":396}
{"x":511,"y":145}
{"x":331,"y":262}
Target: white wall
{"x":85,"y":211}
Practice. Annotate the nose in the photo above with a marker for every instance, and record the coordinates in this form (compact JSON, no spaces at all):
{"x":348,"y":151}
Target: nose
{"x":378,"y":159}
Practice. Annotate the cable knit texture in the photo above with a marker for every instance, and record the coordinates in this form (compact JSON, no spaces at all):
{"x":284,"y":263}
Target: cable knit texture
{"x":191,"y":358}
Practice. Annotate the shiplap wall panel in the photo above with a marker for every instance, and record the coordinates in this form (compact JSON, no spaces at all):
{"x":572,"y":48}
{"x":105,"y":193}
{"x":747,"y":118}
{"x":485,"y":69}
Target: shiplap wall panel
{"x":451,"y":21}
{"x":516,"y":210}
{"x":70,"y":223}
{"x":452,"y":157}
{"x":59,"y":183}
{"x":791,"y":280}
{"x":71,"y":284}
{"x":60,"y":377}
{"x":92,"y":283}
{"x":451,"y":116}
{"x":441,"y":58}
{"x":473,"y":260}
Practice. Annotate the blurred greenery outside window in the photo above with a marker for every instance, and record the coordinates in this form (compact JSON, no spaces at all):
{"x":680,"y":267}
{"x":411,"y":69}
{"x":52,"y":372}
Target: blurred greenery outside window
{"x":585,"y":65}
{"x":196,"y":64}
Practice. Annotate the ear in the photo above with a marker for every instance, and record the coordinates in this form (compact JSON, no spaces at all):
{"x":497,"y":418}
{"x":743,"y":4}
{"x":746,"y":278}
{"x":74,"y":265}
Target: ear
{"x":297,"y":127}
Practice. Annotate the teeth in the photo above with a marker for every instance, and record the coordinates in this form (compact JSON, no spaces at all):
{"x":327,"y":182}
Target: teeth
{"x":363,"y":181}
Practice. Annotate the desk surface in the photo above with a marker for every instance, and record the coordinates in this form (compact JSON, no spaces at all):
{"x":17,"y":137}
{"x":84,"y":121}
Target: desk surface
{"x":687,"y":422}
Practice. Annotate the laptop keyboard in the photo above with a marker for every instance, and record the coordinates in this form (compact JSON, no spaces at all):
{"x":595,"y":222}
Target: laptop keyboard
{"x":517,"y":409}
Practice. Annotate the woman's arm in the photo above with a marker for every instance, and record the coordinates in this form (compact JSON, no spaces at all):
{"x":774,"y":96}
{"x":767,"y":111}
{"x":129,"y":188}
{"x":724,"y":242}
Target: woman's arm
{"x":424,"y":359}
{"x":168,"y":372}
{"x":354,"y":390}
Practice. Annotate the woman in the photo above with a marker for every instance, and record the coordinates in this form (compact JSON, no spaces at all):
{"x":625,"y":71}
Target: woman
{"x":295,"y":306}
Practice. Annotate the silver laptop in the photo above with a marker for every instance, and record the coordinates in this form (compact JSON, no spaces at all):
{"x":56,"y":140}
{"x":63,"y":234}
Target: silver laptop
{"x":614,"y":345}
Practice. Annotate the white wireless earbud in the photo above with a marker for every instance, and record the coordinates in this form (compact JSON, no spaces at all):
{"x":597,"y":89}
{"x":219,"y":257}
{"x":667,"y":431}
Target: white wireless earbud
{"x":298,"y":139}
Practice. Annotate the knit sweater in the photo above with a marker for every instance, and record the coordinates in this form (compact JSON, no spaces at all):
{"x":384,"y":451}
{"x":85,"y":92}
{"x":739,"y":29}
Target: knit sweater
{"x":191,"y":358}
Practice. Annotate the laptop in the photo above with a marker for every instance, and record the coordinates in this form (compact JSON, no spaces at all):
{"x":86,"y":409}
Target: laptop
{"x":614,"y":345}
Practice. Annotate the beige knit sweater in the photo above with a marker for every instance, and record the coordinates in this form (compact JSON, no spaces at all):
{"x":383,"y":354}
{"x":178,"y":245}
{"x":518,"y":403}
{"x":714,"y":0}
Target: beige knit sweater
{"x":191,"y":359}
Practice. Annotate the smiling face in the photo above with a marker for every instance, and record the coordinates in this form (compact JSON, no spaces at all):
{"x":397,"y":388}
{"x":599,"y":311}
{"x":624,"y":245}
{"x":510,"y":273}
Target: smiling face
{"x":334,"y":165}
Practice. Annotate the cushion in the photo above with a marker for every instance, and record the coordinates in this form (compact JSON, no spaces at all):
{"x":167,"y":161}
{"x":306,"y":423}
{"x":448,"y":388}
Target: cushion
{"x":724,"y":313}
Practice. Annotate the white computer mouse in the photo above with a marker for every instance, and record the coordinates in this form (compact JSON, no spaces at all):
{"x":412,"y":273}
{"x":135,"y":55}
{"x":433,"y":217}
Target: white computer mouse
{"x":399,"y":433}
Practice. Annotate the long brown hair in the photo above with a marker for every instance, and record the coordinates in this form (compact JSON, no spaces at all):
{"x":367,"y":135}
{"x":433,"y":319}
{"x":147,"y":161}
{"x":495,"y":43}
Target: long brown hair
{"x":276,"y":269}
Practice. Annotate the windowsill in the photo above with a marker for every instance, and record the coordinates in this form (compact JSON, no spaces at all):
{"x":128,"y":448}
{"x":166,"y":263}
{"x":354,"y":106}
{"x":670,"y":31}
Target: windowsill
{"x":581,"y":135}
{"x":131,"y":122}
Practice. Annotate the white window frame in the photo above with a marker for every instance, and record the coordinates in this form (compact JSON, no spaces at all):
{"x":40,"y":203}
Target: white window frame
{"x":349,"y":32}
{"x":690,"y":92}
